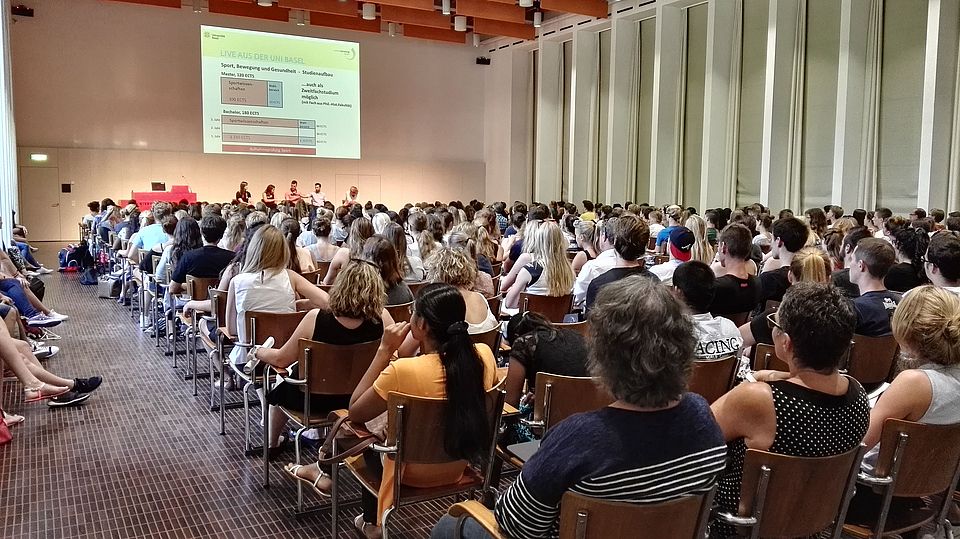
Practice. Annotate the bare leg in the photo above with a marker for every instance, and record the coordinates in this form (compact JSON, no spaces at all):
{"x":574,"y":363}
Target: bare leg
{"x":31,"y":375}
{"x":277,"y":423}
{"x":35,"y":301}
{"x":12,"y":321}
{"x":33,"y":364}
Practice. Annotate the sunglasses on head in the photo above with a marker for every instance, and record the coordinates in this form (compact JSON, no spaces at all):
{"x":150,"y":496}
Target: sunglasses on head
{"x":773,"y":323}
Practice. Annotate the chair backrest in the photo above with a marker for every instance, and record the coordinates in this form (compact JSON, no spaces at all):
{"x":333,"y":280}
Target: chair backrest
{"x":928,"y":457}
{"x":401,"y":312}
{"x":872,"y":359}
{"x":571,"y":255}
{"x":497,"y":268}
{"x":652,"y":243}
{"x":583,"y":327}
{"x":711,"y":379}
{"x":661,"y":259}
{"x":738,"y":319}
{"x":781,"y":487}
{"x":415,"y":287}
{"x":325,"y":287}
{"x":198,"y":287}
{"x":416,"y":425}
{"x":496,"y":284}
{"x":490,"y":338}
{"x":154,"y":262}
{"x":322,"y":269}
{"x":555,"y":308}
{"x":280,"y":326}
{"x":494,"y":303}
{"x":582,"y":517}
{"x":314,"y":277}
{"x":218,"y":300}
{"x":558,"y":397}
{"x":331,"y":369}
{"x":765,"y":357}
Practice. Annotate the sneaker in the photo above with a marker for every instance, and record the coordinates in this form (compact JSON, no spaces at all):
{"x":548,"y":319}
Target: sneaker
{"x":58,"y":316}
{"x":29,"y":273}
{"x":86,"y":385}
{"x":41,"y":320}
{"x":252,"y":360}
{"x":43,"y":271}
{"x":46,"y":352}
{"x":71,"y":398}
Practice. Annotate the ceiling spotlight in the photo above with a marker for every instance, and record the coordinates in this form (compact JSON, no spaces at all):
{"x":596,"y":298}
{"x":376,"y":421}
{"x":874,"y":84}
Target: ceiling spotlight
{"x":526,"y":3}
{"x":369,"y":12}
{"x":445,"y":7}
{"x":392,"y":29}
{"x":460,"y":23}
{"x":265,"y":3}
{"x":537,"y":19}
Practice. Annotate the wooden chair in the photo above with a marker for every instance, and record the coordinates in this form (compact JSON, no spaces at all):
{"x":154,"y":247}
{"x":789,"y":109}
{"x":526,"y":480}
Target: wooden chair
{"x":583,"y":327}
{"x":314,"y":277}
{"x":494,"y":302}
{"x":212,"y":344}
{"x":784,"y":496}
{"x":322,"y":269}
{"x":496,"y":284}
{"x":415,"y":287}
{"x":497,"y":268}
{"x":325,"y":287}
{"x":401,"y":312}
{"x":712,"y":379}
{"x":593,"y":518}
{"x":652,"y":243}
{"x":323,"y":369}
{"x":490,"y":338}
{"x":915,"y":461}
{"x":571,"y":255}
{"x":765,"y":357}
{"x":872,"y":359}
{"x":555,"y":308}
{"x":661,"y":259}
{"x":415,"y":435}
{"x":197,"y":288}
{"x":558,"y":397}
{"x":260,"y":326}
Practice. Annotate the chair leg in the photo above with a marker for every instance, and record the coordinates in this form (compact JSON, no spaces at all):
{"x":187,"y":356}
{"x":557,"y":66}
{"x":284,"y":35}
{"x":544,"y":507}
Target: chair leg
{"x":334,"y":505}
{"x":265,"y":409}
{"x":296,"y":447}
{"x":385,"y":522}
{"x":175,"y":322}
{"x":247,"y":446}
{"x":223,"y":374}
{"x":193,"y":354}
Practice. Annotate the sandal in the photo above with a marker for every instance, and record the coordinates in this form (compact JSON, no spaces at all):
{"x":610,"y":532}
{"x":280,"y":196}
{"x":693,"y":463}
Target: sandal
{"x":12,"y":419}
{"x":361,"y":527}
{"x":293,"y":469}
{"x":40,"y":394}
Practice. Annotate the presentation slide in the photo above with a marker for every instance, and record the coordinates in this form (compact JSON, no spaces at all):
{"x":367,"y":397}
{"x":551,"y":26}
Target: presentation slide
{"x":274,"y":94}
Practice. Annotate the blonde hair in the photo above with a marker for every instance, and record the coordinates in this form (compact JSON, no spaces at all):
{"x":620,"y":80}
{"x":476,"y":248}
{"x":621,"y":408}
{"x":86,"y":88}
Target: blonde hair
{"x":452,"y":266}
{"x":360,"y":230}
{"x":701,"y":250}
{"x":236,"y":227}
{"x":927,"y":323}
{"x":548,"y":247}
{"x":268,"y":250}
{"x":810,"y":265}
{"x":844,"y":224}
{"x":358,"y":292}
{"x":586,"y":230}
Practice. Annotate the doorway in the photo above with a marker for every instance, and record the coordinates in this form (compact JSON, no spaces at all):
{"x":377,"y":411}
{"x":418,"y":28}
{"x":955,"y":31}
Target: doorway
{"x":40,"y":202}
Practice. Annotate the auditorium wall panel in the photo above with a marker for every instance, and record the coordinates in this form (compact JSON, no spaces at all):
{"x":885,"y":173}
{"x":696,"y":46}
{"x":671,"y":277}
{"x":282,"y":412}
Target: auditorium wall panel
{"x":114,"y":90}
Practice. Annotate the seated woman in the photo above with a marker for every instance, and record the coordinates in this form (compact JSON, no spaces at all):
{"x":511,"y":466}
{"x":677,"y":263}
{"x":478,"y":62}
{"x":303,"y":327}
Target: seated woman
{"x":536,"y":345}
{"x":379,"y":252}
{"x":926,"y":325}
{"x":586,"y":234}
{"x":460,"y":241}
{"x":360,"y":229}
{"x":39,"y":383}
{"x":548,"y":273}
{"x":265,"y":284}
{"x":453,"y":368}
{"x":795,"y":413}
{"x":186,"y":237}
{"x":323,"y":250}
{"x":410,"y":266}
{"x":300,"y":259}
{"x":659,"y":441}
{"x":356,"y":315}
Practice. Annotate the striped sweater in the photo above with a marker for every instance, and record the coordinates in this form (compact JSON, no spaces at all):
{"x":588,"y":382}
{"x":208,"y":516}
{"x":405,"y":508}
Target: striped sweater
{"x":618,"y":455}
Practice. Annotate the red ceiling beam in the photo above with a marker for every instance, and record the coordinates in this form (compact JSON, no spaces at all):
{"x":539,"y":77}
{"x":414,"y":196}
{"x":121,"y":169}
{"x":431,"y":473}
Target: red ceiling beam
{"x":347,"y":23}
{"x":334,"y":7}
{"x":434,"y":34}
{"x":492,"y":10}
{"x":593,"y":8}
{"x":426,"y":5}
{"x":230,"y":7}
{"x":159,"y":3}
{"x":431,"y":19}
{"x":500,"y":28}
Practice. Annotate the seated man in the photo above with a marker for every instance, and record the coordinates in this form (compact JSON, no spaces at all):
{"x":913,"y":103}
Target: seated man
{"x":659,"y":441}
{"x":737,"y":285}
{"x":872,"y":259}
{"x":717,"y":337}
{"x":680,"y":242}
{"x":943,"y":261}
{"x":208,"y":261}
{"x":629,"y":235}
{"x":841,"y":277}
{"x":789,"y":236}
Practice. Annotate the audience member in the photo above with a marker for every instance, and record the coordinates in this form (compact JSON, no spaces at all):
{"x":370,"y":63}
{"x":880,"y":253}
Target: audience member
{"x":841,"y":277}
{"x":681,"y":241}
{"x":716,"y":337}
{"x":629,"y":235}
{"x":379,"y":252}
{"x":789,"y":236}
{"x":738,"y":288}
{"x":908,"y":272}
{"x":872,"y":259}
{"x":942,"y":263}
{"x":548,"y":273}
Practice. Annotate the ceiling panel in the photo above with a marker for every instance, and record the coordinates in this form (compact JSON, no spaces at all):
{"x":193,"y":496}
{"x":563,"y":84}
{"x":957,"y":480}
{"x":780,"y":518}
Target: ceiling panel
{"x":335,"y":7}
{"x":491,"y":10}
{"x":432,"y":19}
{"x":242,"y":9}
{"x":435,"y":34}
{"x":340,"y":21}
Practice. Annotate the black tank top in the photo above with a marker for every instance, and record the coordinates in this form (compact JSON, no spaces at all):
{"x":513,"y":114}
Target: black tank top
{"x":330,"y":331}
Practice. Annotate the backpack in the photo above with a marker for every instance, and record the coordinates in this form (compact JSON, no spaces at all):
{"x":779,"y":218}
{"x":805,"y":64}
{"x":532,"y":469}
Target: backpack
{"x":89,"y":276}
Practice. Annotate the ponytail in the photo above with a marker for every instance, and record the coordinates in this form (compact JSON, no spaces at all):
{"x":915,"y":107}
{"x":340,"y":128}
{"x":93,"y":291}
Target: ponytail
{"x":290,"y":229}
{"x":466,"y":424}
{"x":810,"y":265}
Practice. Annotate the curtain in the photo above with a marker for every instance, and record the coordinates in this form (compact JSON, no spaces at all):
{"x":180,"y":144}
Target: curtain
{"x":8,"y":136}
{"x":795,"y":137}
{"x":869,"y":149}
{"x":634,"y":116}
{"x":680,"y":118}
{"x":733,"y":133}
{"x":953,"y":177}
{"x":593,"y":77}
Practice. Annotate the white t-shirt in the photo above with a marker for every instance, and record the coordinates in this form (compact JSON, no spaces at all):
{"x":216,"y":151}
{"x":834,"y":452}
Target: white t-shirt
{"x":655,"y":229}
{"x":665,"y":271}
{"x":590,"y":270}
{"x":268,"y":291}
{"x":318,"y":199}
{"x":717,"y":337}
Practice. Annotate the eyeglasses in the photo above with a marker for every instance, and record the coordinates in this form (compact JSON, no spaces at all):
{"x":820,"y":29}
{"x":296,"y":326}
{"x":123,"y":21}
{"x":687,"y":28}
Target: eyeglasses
{"x":772,"y":322}
{"x":924,"y":259}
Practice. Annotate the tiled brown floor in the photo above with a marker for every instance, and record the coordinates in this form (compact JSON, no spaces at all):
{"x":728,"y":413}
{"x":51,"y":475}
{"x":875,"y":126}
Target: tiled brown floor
{"x":142,"y":457}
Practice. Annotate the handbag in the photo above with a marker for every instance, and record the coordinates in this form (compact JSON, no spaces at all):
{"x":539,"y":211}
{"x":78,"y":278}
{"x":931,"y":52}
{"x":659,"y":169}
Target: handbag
{"x":351,"y":438}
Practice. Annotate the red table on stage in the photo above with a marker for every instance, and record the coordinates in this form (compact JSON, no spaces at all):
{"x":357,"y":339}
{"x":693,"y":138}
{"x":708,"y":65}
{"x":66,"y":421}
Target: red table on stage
{"x":145,"y":199}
